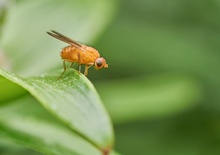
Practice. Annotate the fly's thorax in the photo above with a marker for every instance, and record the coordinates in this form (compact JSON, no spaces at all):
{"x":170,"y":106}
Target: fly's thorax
{"x":88,"y":55}
{"x":92,"y":51}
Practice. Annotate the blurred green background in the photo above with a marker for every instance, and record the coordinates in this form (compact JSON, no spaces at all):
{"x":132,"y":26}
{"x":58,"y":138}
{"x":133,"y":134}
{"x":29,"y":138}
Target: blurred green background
{"x":163,"y":82}
{"x":162,"y":85}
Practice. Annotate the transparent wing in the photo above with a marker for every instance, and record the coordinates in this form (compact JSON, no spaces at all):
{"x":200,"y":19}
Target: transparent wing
{"x":63,"y":38}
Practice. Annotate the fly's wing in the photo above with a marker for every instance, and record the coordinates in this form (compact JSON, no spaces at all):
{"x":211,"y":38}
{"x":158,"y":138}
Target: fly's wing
{"x":65,"y":39}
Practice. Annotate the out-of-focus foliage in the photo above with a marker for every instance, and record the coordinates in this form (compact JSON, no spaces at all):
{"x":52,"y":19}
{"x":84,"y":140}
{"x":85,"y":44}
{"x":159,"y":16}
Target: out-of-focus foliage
{"x":173,"y":114}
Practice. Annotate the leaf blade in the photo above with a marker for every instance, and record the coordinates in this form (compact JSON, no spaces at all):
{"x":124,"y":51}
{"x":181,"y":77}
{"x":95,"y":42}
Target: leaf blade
{"x":75,"y":102}
{"x":35,"y":128}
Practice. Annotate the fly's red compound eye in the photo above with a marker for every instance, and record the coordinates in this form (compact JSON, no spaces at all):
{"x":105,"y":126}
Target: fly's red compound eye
{"x":99,"y":62}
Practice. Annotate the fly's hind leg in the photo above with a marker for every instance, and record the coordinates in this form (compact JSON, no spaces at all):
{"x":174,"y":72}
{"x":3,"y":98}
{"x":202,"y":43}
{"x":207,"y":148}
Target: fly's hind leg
{"x":87,"y":69}
{"x":64,"y":68}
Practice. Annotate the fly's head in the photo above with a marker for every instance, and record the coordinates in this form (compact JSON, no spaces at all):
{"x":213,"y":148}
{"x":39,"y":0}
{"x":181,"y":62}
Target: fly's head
{"x":100,"y":63}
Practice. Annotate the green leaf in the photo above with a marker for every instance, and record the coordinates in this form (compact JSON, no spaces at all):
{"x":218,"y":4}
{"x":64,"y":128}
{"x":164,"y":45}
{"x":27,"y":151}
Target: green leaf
{"x":74,"y":101}
{"x":35,"y":128}
{"x":10,"y":90}
{"x":8,"y":147}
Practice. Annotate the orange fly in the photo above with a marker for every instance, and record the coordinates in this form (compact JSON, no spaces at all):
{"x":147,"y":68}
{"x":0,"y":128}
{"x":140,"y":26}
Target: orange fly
{"x":79,"y":53}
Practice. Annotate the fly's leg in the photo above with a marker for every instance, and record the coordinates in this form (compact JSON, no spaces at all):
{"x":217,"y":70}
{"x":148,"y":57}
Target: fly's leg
{"x":87,"y":69}
{"x":79,"y":60}
{"x":64,"y":68}
{"x":79,"y":68}
{"x":70,"y":65}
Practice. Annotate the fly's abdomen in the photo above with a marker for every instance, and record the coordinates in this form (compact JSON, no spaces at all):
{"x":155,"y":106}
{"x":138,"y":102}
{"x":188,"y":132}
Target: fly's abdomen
{"x":69,"y":53}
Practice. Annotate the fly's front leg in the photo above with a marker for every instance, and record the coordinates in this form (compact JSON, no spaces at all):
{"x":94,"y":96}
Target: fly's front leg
{"x":87,"y":69}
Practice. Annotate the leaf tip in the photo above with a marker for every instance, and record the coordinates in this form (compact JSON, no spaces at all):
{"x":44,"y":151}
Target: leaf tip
{"x":106,"y":151}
